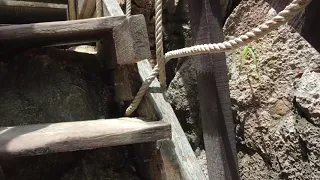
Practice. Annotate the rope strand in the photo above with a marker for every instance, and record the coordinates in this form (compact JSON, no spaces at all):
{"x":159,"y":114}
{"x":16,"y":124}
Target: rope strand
{"x":281,"y":18}
{"x":159,"y":43}
{"x":128,"y":8}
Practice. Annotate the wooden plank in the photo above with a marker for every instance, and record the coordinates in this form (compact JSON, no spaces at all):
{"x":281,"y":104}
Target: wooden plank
{"x":177,"y":154}
{"x":72,"y":136}
{"x":112,"y":8}
{"x":57,"y":33}
{"x":22,"y":12}
{"x":72,"y":10}
{"x":135,"y":31}
{"x":86,"y":8}
{"x":148,"y":162}
{"x":31,"y":4}
{"x":122,"y":75}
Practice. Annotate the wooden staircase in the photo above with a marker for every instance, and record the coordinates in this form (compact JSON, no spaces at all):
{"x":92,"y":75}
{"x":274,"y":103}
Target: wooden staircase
{"x":122,"y":46}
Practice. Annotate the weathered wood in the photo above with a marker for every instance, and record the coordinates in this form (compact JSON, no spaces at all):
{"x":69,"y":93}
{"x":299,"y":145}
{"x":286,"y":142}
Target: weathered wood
{"x":86,"y":8}
{"x":128,"y":35}
{"x":72,"y":10}
{"x":57,"y":33}
{"x":134,"y":31}
{"x":213,"y":92}
{"x":177,"y":152}
{"x":21,"y":12}
{"x":122,"y":78}
{"x":112,"y":8}
{"x":72,"y":136}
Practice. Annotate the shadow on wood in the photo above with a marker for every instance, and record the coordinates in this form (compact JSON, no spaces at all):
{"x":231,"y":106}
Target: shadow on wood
{"x":79,"y":135}
{"x":23,"y":12}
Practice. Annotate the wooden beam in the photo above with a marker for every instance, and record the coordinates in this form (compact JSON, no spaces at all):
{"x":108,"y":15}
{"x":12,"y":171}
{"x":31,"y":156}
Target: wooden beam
{"x":57,"y":33}
{"x":129,"y":36}
{"x":213,"y":92}
{"x":86,"y":8}
{"x":177,"y":154}
{"x":130,"y":40}
{"x":72,"y":9}
{"x":22,"y":12}
{"x":121,"y":75}
{"x":135,"y":31}
{"x":111,"y":8}
{"x":81,"y":135}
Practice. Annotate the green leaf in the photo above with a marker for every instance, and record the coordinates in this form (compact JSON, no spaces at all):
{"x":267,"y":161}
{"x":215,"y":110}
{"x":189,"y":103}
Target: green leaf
{"x":253,"y":55}
{"x":244,"y":54}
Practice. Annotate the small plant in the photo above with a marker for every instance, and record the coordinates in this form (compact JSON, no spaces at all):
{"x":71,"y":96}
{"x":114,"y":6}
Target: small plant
{"x":248,"y":50}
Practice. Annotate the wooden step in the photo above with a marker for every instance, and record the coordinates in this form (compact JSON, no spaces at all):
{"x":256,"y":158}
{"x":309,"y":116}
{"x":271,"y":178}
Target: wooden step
{"x":127,"y":35}
{"x":22,"y":12}
{"x":80,"y":135}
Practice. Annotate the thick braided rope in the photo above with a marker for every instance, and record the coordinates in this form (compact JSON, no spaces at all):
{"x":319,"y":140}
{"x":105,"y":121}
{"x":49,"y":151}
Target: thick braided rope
{"x":281,"y":18}
{"x":72,"y":9}
{"x":128,"y":8}
{"x":159,"y":43}
{"x":99,"y":8}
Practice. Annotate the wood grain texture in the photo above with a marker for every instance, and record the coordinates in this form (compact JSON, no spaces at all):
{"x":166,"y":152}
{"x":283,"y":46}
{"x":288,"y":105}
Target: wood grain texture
{"x":182,"y":160}
{"x":106,"y":52}
{"x":213,"y":92}
{"x":86,"y":8}
{"x":72,"y":10}
{"x":57,"y":33}
{"x":131,"y":40}
{"x":112,"y":8}
{"x":72,"y":136}
{"x":19,"y":12}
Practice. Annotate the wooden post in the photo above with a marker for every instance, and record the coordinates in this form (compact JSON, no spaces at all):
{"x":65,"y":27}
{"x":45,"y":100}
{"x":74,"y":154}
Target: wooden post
{"x":148,"y":164}
{"x":86,"y":8}
{"x":57,"y":33}
{"x":213,"y":89}
{"x":179,"y":160}
{"x":72,"y":9}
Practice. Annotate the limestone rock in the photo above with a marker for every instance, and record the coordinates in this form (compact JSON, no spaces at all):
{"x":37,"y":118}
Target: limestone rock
{"x":262,"y":100}
{"x":183,"y":97}
{"x":307,"y":96}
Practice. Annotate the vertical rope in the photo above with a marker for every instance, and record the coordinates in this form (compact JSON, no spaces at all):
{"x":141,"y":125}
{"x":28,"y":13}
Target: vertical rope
{"x":128,"y":8}
{"x":72,"y":9}
{"x":159,"y":43}
{"x":99,"y":8}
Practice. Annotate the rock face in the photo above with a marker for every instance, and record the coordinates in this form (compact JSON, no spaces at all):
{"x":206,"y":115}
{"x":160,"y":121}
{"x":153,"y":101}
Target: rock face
{"x":274,"y":138}
{"x":276,"y":113}
{"x":183,"y":97}
{"x":48,"y":85}
{"x":307,"y":96}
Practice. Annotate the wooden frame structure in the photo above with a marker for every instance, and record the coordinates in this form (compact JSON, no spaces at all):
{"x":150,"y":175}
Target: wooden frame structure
{"x":15,"y":12}
{"x":122,"y":47}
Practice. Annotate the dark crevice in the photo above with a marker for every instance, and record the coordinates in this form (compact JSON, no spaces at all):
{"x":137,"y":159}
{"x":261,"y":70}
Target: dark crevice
{"x":304,"y":150}
{"x":301,"y":112}
{"x":251,"y":152}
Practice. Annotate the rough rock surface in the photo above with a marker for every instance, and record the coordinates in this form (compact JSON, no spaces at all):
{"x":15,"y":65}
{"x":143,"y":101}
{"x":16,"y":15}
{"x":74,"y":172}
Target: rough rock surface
{"x":271,"y":136}
{"x":183,"y":97}
{"x":46,"y":86}
{"x":307,"y":96}
{"x":274,"y":139}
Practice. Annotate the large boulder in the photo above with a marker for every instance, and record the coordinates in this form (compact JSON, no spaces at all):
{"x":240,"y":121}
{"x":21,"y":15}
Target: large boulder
{"x":307,"y":96}
{"x":268,"y":123}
